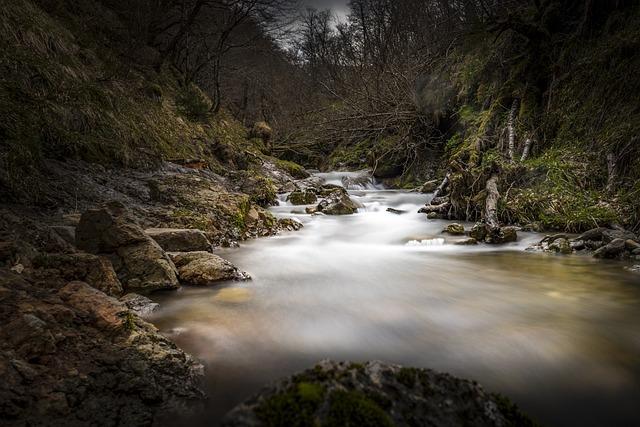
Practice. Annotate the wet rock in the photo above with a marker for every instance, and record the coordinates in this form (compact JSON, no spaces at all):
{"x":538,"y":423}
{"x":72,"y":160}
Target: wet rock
{"x":145,"y":267}
{"x":614,"y":249}
{"x":632,"y":245}
{"x":289,"y":224}
{"x":606,"y":235}
{"x":376,"y":394}
{"x":95,"y":270}
{"x":180,"y":240}
{"x":338,"y":202}
{"x":139,"y":261}
{"x":78,"y":357}
{"x":396,"y":211}
{"x":140,"y":305}
{"x":454,"y":229}
{"x":469,"y":241}
{"x":306,"y":197}
{"x":478,"y":231}
{"x":429,"y":186}
{"x":205,"y":269}
{"x":501,"y":235}
{"x":433,"y":215}
{"x":561,"y":245}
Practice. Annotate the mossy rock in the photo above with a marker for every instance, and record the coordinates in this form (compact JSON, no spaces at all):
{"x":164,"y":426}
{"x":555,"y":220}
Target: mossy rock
{"x":337,"y":394}
{"x":293,"y":169}
{"x":302,"y":198}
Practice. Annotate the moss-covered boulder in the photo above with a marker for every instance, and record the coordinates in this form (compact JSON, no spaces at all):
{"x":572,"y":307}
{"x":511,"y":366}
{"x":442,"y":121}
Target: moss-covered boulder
{"x":375,"y":394}
{"x":454,"y":229}
{"x":338,"y":202}
{"x":302,"y":198}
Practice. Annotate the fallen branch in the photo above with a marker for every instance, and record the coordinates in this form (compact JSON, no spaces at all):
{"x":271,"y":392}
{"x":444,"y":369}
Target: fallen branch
{"x":526,"y":149}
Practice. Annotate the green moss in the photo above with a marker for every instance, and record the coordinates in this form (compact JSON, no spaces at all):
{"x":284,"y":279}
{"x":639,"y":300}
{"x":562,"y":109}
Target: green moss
{"x":295,"y":407}
{"x":292,"y":168}
{"x":129,"y":322}
{"x":351,"y":409}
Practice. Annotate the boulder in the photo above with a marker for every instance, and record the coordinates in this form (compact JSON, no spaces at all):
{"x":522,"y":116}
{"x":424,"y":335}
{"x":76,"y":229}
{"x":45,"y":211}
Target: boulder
{"x":139,"y":261}
{"x":107,"y":228}
{"x":502,"y":235}
{"x":631,"y":245}
{"x":614,"y":249}
{"x":305,"y":197}
{"x":180,"y":240}
{"x":338,"y":202}
{"x":433,"y":215}
{"x":561,"y":245}
{"x":478,"y":231}
{"x":375,"y":394}
{"x":145,"y":267}
{"x":606,"y":235}
{"x":205,"y":269}
{"x":95,"y":270}
{"x":454,"y":229}
{"x":429,"y":186}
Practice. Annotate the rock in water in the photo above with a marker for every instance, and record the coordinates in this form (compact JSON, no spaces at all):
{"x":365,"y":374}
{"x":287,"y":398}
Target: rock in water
{"x":205,"y":269}
{"x":180,"y":240}
{"x":614,"y":249}
{"x":306,"y":197}
{"x":455,"y":229}
{"x":140,"y":262}
{"x":338,"y":202}
{"x":375,"y":394}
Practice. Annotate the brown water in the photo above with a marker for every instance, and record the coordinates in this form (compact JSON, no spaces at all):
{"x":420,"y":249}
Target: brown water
{"x":560,"y":335}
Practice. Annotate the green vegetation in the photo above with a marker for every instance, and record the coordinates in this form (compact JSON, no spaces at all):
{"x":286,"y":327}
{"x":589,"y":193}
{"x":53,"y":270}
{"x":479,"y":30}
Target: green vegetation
{"x":354,"y":409}
{"x":295,"y":407}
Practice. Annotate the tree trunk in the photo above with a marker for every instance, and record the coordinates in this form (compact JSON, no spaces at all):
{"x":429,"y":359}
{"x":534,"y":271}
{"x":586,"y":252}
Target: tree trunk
{"x":491,"y":203}
{"x":511,"y":128}
{"x":526,"y":149}
{"x":442,"y":187}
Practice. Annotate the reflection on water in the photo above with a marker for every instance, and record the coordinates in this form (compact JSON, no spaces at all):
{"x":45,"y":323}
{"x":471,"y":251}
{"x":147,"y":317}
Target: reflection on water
{"x":560,"y":335}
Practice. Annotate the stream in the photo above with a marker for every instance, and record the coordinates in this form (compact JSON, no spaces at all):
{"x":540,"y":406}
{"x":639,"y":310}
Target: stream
{"x":559,"y":335}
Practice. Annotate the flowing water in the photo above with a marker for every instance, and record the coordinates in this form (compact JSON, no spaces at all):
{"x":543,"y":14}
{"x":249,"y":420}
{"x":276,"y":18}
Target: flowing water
{"x":560,"y":335}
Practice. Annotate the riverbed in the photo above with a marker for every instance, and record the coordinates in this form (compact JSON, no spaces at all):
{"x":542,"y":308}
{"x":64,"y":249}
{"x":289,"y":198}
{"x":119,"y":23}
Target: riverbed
{"x":559,"y":335}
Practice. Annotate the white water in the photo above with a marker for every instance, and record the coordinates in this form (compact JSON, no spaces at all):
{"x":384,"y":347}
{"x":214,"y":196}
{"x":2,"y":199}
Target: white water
{"x":560,"y":335}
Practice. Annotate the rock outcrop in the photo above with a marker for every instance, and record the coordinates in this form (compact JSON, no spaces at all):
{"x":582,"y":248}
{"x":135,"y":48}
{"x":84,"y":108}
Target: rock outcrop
{"x":76,"y":356}
{"x":375,"y":394}
{"x":140,"y":262}
{"x":205,"y":269}
{"x":180,"y":239}
{"x":303,"y":197}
